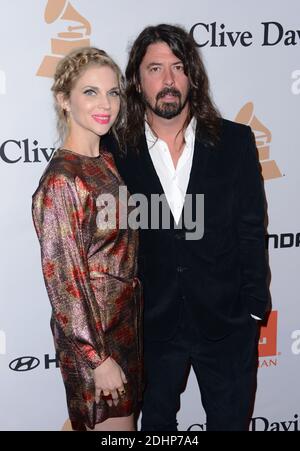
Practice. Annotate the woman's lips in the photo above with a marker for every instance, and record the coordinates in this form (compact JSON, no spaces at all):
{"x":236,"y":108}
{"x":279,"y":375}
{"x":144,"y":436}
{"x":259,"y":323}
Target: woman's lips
{"x":102,"y":119}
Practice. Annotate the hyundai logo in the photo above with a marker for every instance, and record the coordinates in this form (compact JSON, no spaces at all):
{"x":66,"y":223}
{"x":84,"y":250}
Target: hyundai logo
{"x":25,"y":363}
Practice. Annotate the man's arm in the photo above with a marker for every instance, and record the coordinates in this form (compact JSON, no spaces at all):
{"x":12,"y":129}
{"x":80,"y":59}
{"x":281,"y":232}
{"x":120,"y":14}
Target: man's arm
{"x":251,"y":230}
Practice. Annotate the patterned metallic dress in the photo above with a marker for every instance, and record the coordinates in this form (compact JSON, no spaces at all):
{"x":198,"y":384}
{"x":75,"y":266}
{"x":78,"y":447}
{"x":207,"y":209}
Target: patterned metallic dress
{"x":90,"y":276}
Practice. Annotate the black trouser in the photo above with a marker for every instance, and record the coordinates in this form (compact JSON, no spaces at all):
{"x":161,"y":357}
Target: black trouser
{"x":225,"y":371}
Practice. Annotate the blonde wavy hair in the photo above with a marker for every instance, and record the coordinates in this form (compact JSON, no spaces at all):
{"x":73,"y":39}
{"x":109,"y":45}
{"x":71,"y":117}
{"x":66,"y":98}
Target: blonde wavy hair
{"x":67,"y":72}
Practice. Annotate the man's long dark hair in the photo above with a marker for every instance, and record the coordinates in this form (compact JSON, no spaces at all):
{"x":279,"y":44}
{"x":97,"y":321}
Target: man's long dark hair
{"x":183,"y":46}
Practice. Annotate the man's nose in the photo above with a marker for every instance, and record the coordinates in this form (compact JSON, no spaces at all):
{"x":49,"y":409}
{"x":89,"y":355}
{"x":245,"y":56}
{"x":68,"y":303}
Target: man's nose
{"x":168,"y":77}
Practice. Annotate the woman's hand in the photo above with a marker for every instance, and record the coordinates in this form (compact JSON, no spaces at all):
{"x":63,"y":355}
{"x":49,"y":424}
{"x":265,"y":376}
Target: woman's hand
{"x":109,"y":381}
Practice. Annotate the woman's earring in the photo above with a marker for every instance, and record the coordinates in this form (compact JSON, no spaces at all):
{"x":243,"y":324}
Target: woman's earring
{"x":66,"y":114}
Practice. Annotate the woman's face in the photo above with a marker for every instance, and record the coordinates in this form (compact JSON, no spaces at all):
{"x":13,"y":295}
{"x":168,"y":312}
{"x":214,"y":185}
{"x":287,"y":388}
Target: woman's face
{"x":94,"y":101}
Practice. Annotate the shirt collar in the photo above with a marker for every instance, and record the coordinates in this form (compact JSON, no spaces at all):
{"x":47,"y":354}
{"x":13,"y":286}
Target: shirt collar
{"x":189,"y":135}
{"x":190,"y":132}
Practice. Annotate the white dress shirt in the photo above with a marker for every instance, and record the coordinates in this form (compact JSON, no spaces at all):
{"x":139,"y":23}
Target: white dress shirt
{"x":173,"y":180}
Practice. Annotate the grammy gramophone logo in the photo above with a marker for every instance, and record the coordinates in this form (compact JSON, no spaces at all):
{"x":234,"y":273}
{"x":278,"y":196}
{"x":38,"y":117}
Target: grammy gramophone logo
{"x":263,"y":139}
{"x":74,"y":35}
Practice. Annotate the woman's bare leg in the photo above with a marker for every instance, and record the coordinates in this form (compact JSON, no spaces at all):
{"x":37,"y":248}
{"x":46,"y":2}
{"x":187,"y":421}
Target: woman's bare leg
{"x":115,"y":424}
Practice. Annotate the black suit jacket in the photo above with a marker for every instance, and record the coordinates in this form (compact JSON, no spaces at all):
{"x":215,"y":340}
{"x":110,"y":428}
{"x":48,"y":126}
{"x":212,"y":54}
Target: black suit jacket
{"x":220,"y":278}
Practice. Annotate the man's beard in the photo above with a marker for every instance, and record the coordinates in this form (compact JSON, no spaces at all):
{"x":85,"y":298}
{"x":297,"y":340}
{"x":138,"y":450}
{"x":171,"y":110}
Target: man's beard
{"x":167,"y":110}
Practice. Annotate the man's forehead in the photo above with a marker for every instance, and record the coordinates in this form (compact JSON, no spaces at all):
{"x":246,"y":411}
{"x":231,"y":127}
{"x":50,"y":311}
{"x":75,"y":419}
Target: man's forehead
{"x":159,"y":51}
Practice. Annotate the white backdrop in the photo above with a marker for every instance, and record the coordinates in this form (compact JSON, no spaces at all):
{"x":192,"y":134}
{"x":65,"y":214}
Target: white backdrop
{"x":251,"y":52}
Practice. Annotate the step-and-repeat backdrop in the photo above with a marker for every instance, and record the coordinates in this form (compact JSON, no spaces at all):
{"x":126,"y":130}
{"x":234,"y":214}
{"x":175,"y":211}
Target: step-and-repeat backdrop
{"x":251,"y":50}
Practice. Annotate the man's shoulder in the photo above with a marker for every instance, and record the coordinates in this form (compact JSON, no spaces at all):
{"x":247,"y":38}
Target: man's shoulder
{"x":230,"y":129}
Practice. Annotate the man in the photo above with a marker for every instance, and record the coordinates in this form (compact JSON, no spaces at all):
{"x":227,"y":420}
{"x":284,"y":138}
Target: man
{"x":201,"y":296}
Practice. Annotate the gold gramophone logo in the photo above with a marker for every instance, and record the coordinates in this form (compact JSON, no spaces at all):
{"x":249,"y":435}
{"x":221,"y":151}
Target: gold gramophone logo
{"x":263,"y":139}
{"x":78,"y":30}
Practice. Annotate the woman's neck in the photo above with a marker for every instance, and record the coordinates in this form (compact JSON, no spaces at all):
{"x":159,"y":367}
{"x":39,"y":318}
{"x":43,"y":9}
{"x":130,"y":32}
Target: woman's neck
{"x":87,"y":147}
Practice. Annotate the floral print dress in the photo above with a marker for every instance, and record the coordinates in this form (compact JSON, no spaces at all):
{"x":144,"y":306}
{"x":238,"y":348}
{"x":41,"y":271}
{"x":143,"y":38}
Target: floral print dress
{"x":90,"y":276}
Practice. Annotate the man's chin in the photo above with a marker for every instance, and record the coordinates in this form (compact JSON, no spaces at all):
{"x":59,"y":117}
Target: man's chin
{"x":168,"y":113}
{"x":171,"y":104}
{"x":166,"y":110}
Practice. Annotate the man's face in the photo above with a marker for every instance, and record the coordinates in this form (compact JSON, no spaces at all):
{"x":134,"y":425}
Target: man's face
{"x":163,"y":83}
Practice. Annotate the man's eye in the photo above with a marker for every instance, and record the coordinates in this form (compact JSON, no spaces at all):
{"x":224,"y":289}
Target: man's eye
{"x":154,"y":69}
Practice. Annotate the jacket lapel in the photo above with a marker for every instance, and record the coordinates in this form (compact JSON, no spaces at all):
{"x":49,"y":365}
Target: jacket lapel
{"x":149,"y":178}
{"x":201,"y":156}
{"x":147,"y":172}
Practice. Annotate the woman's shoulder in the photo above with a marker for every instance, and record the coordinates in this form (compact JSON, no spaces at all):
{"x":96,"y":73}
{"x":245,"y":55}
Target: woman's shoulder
{"x":64,"y":164}
{"x":60,"y":172}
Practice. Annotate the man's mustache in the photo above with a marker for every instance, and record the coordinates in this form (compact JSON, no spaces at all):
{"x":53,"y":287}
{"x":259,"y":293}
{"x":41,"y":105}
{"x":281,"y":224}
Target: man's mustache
{"x":168,"y":91}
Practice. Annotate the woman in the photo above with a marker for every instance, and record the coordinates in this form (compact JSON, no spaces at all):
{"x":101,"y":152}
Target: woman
{"x":89,"y":269}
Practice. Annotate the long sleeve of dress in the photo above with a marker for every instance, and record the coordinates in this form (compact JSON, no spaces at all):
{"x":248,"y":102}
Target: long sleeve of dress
{"x":58,"y":218}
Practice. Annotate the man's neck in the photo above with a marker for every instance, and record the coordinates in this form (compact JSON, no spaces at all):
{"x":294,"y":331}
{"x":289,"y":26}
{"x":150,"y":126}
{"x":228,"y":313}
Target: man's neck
{"x":171,"y":131}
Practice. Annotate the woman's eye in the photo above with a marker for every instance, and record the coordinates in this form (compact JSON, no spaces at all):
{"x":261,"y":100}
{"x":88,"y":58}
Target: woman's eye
{"x":89,"y":92}
{"x":114,"y":93}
